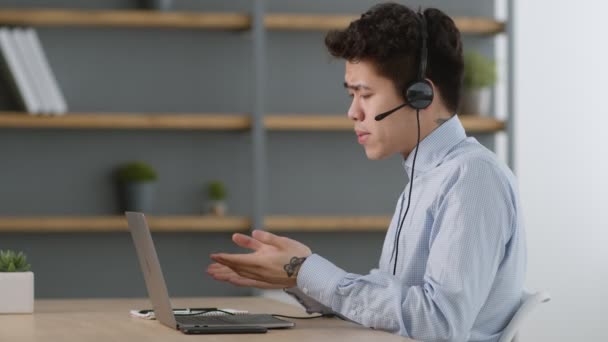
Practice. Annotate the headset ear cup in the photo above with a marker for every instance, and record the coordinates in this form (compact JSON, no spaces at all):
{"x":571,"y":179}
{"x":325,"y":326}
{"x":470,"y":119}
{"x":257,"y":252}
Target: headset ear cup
{"x":419,"y":94}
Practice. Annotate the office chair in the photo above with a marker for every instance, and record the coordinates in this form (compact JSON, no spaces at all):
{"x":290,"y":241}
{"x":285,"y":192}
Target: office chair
{"x":529,"y":302}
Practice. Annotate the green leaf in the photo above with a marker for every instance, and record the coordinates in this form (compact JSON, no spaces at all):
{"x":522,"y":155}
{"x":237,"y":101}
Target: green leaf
{"x":479,"y":70}
{"x":4,"y":257}
{"x":137,"y":171}
{"x":13,"y":262}
{"x":216,"y":190}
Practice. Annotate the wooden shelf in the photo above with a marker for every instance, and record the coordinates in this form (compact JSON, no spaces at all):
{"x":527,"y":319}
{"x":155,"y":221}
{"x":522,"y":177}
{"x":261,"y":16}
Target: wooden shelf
{"x":321,"y":22}
{"x":119,"y":224}
{"x":481,"y":124}
{"x":316,"y":122}
{"x":236,"y":122}
{"x":127,"y":121}
{"x":308,"y":122}
{"x":206,"y":20}
{"x":98,"y":224}
{"x":326,"y":223}
{"x":125,"y":18}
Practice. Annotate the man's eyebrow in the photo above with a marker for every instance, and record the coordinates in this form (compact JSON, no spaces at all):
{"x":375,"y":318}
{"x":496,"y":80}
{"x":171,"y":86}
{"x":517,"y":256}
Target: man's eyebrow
{"x":356,"y":86}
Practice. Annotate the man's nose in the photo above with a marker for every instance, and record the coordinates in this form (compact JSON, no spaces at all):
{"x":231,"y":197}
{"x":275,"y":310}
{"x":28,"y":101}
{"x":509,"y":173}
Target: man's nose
{"x":354,"y":111}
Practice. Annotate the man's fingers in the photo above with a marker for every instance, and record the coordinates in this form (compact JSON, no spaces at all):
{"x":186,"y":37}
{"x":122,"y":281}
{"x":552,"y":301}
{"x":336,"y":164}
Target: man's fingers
{"x":246,"y":242}
{"x":224,"y":273}
{"x":236,"y":261}
{"x":221,"y":272}
{"x":219,"y":269}
{"x":266,"y":237}
{"x":217,"y":266}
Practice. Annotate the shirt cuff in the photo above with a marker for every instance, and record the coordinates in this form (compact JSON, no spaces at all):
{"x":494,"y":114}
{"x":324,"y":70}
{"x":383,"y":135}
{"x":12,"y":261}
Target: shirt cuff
{"x":319,"y":278}
{"x":310,"y":304}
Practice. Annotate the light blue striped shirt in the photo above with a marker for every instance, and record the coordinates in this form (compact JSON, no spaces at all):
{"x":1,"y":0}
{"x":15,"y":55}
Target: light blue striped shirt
{"x":462,"y":250}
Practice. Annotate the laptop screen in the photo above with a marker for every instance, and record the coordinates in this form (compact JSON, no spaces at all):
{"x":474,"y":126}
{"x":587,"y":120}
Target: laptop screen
{"x":150,"y":266}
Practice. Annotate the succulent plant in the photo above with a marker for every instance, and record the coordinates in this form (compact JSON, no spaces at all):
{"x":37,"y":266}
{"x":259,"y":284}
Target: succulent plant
{"x":479,"y":70}
{"x":216,"y":191}
{"x":136,"y":172}
{"x":13,"y":262}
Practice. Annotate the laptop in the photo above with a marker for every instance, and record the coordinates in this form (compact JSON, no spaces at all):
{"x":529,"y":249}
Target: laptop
{"x":159,"y":296}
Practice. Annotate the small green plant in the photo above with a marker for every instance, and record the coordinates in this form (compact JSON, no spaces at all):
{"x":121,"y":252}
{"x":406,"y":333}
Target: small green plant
{"x":13,"y":262}
{"x":137,"y":171}
{"x":479,"y":71}
{"x":216,"y":191}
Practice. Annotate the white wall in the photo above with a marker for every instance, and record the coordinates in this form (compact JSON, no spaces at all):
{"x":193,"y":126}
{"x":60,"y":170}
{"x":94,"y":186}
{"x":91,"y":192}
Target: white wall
{"x":561,"y":138}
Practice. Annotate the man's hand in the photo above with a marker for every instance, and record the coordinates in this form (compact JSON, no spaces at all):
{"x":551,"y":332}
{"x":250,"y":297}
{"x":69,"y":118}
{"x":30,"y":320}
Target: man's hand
{"x":275,"y":262}
{"x":224,"y":273}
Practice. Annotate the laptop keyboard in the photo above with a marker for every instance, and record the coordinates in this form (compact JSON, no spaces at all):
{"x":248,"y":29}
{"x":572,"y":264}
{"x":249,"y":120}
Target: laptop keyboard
{"x":228,"y":319}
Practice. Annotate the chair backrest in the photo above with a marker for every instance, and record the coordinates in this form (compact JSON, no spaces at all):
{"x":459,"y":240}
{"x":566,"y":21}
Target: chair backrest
{"x":529,"y":302}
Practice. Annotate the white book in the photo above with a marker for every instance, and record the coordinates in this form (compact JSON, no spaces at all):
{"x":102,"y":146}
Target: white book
{"x":59,"y":104}
{"x":9,"y":53}
{"x":32,"y":72}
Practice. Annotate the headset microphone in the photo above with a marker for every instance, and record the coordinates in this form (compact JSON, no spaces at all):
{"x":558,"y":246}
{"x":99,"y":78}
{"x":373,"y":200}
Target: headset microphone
{"x":385,"y":114}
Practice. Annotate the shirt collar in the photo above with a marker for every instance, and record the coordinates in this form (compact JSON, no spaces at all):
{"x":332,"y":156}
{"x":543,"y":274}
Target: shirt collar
{"x":435,"y":146}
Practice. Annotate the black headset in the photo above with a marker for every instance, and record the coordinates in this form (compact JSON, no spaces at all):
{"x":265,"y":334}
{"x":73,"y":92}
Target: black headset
{"x":418,"y":95}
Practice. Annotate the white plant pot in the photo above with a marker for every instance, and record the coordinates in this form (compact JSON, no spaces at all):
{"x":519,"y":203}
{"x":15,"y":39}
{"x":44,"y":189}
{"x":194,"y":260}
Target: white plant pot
{"x":476,"y":101}
{"x":16,"y":292}
{"x":217,"y":208}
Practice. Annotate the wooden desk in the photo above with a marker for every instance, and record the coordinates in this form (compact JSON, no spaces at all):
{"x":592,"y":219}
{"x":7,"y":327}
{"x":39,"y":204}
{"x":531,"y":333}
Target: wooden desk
{"x":92,"y":320}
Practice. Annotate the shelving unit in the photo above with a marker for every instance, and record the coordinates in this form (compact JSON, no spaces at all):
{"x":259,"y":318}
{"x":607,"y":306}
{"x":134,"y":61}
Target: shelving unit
{"x":205,"y":20}
{"x":167,"y":87}
{"x":257,"y":122}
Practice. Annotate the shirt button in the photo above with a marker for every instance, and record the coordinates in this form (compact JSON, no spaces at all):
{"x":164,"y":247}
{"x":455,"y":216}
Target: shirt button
{"x":305,"y":290}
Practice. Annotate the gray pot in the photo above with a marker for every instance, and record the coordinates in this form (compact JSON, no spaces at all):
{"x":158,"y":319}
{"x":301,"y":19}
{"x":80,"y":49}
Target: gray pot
{"x":137,"y":196}
{"x":217,"y":208}
{"x":476,"y":101}
{"x":159,"y":5}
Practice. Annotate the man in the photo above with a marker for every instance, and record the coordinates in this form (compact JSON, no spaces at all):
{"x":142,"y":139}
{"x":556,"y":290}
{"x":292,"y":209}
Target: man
{"x":452,"y":268}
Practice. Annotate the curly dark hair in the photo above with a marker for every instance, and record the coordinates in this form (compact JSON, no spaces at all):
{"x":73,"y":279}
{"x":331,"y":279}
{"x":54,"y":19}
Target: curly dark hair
{"x":389,"y":36}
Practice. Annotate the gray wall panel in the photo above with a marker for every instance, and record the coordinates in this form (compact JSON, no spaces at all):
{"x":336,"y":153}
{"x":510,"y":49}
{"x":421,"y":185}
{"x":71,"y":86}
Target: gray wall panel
{"x":66,"y":172}
{"x":151,"y":70}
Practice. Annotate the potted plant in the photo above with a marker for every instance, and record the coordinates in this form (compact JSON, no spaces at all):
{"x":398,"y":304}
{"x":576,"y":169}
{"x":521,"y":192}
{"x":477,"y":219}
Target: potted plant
{"x":479,"y":77}
{"x":216,"y":191}
{"x":136,"y":183}
{"x":16,"y":283}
